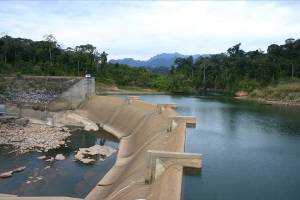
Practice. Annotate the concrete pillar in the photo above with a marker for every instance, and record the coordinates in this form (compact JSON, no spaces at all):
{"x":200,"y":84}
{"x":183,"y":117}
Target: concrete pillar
{"x":161,"y":107}
{"x":158,"y":161}
{"x":189,"y":120}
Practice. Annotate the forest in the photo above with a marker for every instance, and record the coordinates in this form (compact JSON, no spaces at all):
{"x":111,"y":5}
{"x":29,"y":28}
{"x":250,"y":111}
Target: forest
{"x":232,"y":70}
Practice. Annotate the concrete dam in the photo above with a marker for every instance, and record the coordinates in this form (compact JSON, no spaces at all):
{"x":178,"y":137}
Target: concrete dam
{"x":151,"y":155}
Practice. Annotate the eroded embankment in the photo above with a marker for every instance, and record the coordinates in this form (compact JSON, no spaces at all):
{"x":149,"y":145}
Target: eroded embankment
{"x":140,"y":127}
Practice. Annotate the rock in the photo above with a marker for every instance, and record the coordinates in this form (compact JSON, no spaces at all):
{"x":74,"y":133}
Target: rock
{"x":6,"y":174}
{"x":21,"y":121}
{"x":50,"y":159}
{"x":89,"y":125}
{"x":60,"y":157}
{"x":241,"y":94}
{"x":87,"y":160}
{"x":19,"y":169}
{"x":85,"y":155}
{"x":41,"y":157}
{"x":31,"y":136}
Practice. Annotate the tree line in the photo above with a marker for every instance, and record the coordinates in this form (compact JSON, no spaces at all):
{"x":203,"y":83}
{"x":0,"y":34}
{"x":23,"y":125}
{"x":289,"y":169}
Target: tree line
{"x":230,"y":71}
{"x":19,"y":56}
{"x":237,"y":69}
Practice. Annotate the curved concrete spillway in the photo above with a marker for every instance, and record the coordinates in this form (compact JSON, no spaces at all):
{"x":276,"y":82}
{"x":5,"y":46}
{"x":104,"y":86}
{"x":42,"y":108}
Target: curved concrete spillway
{"x":140,"y":127}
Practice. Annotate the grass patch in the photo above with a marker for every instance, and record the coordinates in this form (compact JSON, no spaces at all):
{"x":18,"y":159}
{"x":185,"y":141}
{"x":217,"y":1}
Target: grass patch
{"x":285,"y":91}
{"x":104,"y":88}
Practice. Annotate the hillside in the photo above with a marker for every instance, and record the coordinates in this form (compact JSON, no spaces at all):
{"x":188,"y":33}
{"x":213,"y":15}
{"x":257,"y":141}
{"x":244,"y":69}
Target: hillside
{"x":160,"y":60}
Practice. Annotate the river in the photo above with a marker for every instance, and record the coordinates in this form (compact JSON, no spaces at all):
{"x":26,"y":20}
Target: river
{"x":250,"y":151}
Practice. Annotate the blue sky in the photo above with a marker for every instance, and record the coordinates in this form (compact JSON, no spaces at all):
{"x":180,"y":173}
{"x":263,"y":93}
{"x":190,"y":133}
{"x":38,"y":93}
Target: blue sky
{"x":141,"y":29}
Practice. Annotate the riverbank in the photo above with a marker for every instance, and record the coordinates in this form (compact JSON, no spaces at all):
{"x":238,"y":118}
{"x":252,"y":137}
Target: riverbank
{"x":102,"y":88}
{"x":284,"y":93}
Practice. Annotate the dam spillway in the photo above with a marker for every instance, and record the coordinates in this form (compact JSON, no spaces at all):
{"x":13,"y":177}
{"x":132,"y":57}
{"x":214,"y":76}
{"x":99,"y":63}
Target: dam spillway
{"x":140,"y":127}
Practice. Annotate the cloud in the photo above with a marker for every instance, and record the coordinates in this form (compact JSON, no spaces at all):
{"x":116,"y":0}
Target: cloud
{"x":143,"y":29}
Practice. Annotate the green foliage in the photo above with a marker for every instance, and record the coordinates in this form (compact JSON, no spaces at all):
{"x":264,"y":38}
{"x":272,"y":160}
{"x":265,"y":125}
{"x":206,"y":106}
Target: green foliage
{"x":285,"y":90}
{"x":231,"y":71}
{"x":245,"y":85}
{"x":19,"y":75}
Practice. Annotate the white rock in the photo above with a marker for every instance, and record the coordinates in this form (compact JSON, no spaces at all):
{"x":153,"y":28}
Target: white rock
{"x":87,"y":160}
{"x":50,"y":159}
{"x":60,"y":157}
{"x":85,"y":154}
{"x":41,"y":157}
{"x":19,"y":169}
{"x":6,"y":174}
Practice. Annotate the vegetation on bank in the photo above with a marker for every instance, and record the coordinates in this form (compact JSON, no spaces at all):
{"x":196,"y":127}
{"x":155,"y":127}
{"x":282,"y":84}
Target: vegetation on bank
{"x":103,"y":88}
{"x":284,"y":92}
{"x":256,"y":72}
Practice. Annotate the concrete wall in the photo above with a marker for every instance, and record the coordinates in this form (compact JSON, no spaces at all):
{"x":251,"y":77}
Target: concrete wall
{"x":79,"y":91}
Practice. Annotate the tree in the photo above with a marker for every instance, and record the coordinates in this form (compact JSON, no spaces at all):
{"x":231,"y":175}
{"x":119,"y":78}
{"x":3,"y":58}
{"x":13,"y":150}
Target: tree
{"x":103,"y":60}
{"x":52,"y":44}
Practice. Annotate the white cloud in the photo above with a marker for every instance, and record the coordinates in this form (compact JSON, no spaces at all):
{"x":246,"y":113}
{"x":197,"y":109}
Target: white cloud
{"x":142,"y":29}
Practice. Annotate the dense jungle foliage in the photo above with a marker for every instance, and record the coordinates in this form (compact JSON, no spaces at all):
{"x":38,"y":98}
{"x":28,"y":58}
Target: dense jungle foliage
{"x":229,"y":71}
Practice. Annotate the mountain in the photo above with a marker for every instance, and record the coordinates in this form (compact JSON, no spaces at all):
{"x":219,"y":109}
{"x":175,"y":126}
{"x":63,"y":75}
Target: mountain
{"x":160,"y":60}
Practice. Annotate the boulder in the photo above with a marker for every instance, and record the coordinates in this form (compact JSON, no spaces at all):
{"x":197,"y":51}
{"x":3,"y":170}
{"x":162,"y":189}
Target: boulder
{"x":22,"y":122}
{"x":41,"y":157}
{"x":241,"y":94}
{"x":50,"y":159}
{"x":60,"y":157}
{"x":19,"y":169}
{"x":6,"y":174}
{"x":87,"y":160}
{"x":86,"y":155}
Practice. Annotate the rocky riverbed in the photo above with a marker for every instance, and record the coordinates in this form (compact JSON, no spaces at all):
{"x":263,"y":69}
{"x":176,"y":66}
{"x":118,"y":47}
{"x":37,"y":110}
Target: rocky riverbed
{"x":25,"y":136}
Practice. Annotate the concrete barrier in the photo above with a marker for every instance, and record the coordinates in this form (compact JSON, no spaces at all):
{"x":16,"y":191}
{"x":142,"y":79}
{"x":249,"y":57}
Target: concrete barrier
{"x":79,"y":91}
{"x":73,"y":96}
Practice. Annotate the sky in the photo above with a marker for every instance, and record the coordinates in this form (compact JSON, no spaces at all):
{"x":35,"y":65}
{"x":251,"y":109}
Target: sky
{"x":142,"y":29}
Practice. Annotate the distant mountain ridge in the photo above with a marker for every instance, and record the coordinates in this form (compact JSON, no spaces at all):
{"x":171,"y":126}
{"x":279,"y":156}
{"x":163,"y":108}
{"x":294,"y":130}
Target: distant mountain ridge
{"x":160,"y":60}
